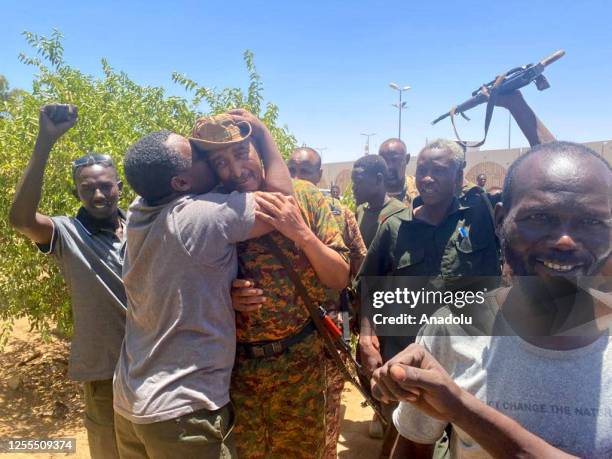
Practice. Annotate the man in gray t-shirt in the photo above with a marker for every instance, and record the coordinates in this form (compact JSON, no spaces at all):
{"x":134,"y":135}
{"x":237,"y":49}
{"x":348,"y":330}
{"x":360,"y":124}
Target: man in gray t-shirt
{"x":559,"y":394}
{"x":532,"y":389}
{"x":89,"y":250}
{"x":172,"y":380}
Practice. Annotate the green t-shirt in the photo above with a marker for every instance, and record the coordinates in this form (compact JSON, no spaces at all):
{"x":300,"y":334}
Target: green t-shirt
{"x":370,"y":219}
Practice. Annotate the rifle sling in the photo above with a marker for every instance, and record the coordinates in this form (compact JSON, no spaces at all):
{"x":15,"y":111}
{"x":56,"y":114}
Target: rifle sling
{"x":313,"y":310}
{"x":489,"y":114}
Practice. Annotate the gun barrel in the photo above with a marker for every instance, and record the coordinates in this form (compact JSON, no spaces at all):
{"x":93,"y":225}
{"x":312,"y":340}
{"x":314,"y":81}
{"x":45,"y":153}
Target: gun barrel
{"x":552,"y":58}
{"x":515,"y":80}
{"x":478,"y":99}
{"x":440,"y":118}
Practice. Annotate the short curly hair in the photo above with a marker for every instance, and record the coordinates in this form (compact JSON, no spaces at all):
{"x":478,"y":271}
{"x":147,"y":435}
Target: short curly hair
{"x":150,"y":164}
{"x":457,"y":152}
{"x":372,"y":165}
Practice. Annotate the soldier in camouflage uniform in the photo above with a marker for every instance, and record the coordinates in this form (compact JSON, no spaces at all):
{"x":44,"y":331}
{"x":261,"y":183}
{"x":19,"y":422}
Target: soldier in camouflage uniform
{"x":278,"y":385}
{"x":305,"y":164}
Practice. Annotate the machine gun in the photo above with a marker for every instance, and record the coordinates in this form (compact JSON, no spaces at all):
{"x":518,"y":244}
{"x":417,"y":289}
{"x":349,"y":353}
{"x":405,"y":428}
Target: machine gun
{"x":512,"y":80}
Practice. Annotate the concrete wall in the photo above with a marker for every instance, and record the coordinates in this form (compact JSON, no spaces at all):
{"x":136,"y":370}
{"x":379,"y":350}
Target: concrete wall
{"x":493,"y":163}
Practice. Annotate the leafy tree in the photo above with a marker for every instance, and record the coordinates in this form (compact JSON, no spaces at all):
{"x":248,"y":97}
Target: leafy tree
{"x":114,"y":112}
{"x":347,"y":197}
{"x":4,"y":86}
{"x":220,"y":101}
{"x":7,"y":94}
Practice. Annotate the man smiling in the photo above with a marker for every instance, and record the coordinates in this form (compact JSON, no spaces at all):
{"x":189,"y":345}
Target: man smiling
{"x":89,"y":249}
{"x":550,"y":340}
{"x":278,"y":384}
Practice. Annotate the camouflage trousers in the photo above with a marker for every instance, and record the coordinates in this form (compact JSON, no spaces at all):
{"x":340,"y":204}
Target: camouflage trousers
{"x":333,"y":396}
{"x":280,"y":403}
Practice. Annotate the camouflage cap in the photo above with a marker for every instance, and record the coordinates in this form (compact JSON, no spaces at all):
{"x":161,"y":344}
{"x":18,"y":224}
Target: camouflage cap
{"x":219,"y":131}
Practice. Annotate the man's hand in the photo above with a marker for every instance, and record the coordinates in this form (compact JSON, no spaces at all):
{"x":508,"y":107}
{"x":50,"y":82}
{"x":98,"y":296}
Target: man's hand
{"x":241,"y":115}
{"x":531,"y":127}
{"x":369,"y":353}
{"x":277,"y":178}
{"x":510,"y":101}
{"x":415,"y":376}
{"x":282,"y":213}
{"x":245,"y":297}
{"x":54,"y":120}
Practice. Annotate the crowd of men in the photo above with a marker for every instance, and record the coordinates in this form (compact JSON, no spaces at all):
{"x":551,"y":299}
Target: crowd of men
{"x":192,"y":331}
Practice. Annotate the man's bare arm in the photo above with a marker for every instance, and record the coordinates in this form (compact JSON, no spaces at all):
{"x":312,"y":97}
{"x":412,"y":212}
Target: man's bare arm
{"x":416,"y":377}
{"x":369,"y":346}
{"x":23,"y":215}
{"x":530,"y":125}
{"x":284,"y":215}
{"x":277,"y":178}
{"x":499,"y":435}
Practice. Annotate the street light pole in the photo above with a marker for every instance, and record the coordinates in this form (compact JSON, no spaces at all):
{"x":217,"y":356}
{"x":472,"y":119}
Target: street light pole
{"x":399,"y":127}
{"x":367,"y":145}
{"x":509,"y":128}
{"x":400,"y":106}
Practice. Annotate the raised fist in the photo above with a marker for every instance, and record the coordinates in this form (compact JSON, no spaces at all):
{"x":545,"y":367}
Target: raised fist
{"x":55,"y":119}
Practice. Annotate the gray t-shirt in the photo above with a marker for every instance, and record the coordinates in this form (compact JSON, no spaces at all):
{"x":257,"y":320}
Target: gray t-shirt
{"x":90,"y":259}
{"x":564,"y":397}
{"x":179,"y":345}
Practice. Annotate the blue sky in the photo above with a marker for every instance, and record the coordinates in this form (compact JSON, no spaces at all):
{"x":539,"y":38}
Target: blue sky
{"x":327,"y":65}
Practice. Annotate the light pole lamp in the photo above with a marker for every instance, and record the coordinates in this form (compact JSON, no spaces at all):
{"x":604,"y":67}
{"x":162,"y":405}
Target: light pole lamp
{"x":400,"y":105}
{"x":367,"y":145}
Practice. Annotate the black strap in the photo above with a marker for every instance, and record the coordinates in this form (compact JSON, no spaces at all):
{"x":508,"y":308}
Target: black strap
{"x":313,"y":310}
{"x":487,"y":201}
{"x":489,"y":114}
{"x":265,"y":349}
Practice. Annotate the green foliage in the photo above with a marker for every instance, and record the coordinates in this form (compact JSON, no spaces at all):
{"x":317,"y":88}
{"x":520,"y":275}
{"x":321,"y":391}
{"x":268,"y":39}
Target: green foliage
{"x":219,"y":101}
{"x":7,"y":94}
{"x":114,"y":112}
{"x":347,"y":197}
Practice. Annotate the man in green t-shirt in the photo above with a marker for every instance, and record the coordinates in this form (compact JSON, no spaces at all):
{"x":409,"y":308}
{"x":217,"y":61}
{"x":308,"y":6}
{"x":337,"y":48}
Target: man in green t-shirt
{"x":368,"y":176}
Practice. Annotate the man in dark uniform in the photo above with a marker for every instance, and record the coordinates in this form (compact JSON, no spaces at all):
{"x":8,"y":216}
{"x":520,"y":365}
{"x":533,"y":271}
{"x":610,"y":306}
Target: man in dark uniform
{"x":440,"y":239}
{"x":399,"y":185}
{"x":369,"y":188}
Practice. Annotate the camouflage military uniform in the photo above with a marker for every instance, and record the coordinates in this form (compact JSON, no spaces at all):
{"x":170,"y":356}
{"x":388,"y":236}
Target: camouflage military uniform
{"x":335,"y":380}
{"x":350,"y":233}
{"x":280,"y":400}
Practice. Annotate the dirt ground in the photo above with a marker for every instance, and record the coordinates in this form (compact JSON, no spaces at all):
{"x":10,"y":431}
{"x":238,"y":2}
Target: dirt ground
{"x":37,"y":400}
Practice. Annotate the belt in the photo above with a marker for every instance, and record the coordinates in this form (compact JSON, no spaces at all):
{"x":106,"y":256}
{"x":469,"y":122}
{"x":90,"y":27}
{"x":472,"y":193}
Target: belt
{"x":273,"y":348}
